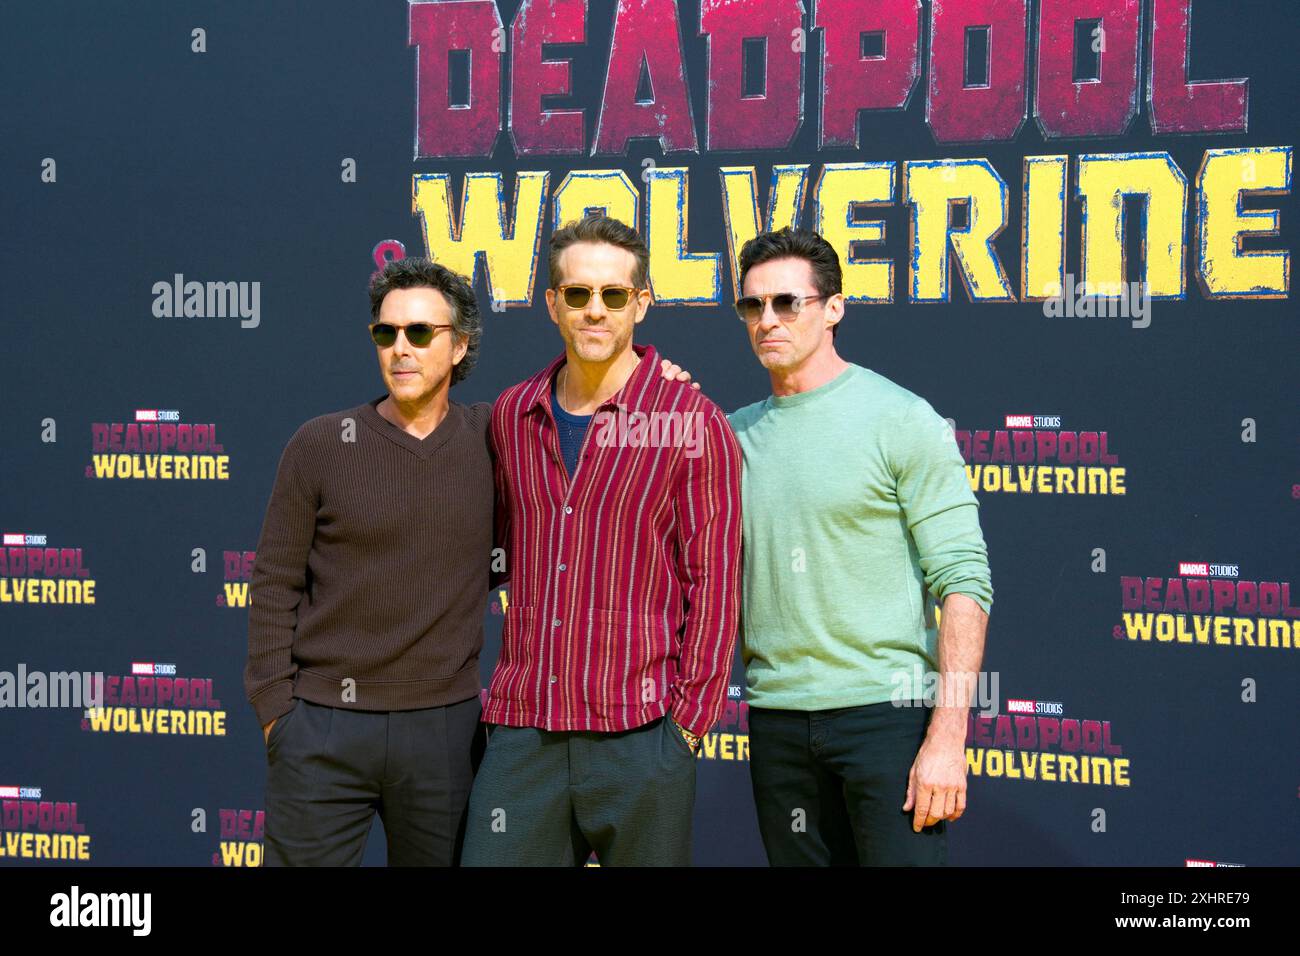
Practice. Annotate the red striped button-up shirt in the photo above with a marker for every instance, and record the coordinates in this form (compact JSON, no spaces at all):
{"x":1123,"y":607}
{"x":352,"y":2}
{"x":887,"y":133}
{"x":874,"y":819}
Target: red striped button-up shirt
{"x":625,"y":578}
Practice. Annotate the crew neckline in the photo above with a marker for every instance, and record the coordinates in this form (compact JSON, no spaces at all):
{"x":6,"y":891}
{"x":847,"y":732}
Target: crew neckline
{"x":420,"y":447}
{"x":821,"y":391}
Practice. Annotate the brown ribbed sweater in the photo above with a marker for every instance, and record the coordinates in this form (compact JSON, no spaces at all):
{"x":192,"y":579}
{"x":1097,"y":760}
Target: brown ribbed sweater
{"x":373,"y":565}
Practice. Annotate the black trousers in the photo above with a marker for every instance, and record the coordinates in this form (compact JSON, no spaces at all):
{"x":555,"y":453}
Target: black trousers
{"x":330,"y":770}
{"x":549,"y":798}
{"x":830,"y":786}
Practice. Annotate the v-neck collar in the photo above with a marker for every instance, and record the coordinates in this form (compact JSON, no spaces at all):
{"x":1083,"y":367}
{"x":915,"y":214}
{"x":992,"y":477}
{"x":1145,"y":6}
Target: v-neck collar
{"x":420,"y":447}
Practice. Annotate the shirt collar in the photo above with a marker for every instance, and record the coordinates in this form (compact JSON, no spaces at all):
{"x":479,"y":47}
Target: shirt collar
{"x":633,"y":396}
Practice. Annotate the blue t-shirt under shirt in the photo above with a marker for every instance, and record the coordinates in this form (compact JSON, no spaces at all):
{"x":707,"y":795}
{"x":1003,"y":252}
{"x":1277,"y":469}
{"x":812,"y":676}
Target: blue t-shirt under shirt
{"x":573,"y":428}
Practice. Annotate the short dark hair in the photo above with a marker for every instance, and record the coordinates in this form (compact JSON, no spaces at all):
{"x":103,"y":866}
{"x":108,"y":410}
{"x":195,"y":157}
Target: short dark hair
{"x":803,"y":244}
{"x":600,"y":228}
{"x":417,"y":272}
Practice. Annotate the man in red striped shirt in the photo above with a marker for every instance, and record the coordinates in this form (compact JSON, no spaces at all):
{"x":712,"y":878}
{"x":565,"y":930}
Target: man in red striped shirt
{"x":618,"y":503}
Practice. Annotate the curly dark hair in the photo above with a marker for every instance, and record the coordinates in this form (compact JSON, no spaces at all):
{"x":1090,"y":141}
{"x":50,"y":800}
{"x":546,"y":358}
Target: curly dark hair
{"x":418,"y":272}
{"x":599,"y":228}
{"x":803,"y":244}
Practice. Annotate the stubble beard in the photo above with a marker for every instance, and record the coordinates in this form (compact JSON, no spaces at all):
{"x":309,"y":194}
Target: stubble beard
{"x":779,"y":361}
{"x":418,"y":392}
{"x":596,"y":352}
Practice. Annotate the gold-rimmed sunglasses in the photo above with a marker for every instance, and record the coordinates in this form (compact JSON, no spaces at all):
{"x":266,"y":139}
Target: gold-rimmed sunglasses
{"x":615,"y":297}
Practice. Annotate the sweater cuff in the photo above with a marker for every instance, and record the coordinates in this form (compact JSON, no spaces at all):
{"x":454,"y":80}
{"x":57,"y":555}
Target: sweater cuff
{"x":274,"y":702}
{"x":973,"y":590}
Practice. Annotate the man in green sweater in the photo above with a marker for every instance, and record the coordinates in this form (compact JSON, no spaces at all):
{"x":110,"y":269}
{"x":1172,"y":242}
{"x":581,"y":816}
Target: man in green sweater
{"x":857,"y":520}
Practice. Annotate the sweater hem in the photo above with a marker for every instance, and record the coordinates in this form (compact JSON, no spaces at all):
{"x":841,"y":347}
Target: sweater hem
{"x":381,"y":695}
{"x":273,"y":702}
{"x":808,"y":704}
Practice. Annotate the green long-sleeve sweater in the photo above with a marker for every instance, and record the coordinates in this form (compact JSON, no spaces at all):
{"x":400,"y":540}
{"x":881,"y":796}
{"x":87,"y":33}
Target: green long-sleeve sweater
{"x":857,"y":517}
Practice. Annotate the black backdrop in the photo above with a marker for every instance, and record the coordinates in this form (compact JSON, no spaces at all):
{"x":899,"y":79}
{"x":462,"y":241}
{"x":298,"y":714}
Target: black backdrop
{"x":225,"y":165}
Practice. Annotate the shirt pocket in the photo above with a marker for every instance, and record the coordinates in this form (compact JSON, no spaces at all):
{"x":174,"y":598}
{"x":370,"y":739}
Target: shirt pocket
{"x":638,"y":654}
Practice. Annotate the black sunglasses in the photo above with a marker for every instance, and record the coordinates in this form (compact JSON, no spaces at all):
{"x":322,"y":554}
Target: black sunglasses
{"x":419,"y":334}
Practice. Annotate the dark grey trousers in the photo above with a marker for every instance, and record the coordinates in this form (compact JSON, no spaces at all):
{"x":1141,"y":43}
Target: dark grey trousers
{"x":546,"y":798}
{"x":830,"y":785}
{"x":330,"y":770}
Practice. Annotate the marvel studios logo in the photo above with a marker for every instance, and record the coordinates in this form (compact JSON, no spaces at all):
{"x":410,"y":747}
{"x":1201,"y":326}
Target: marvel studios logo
{"x":157,"y":415}
{"x":1033,"y":421}
{"x":21,"y":540}
{"x":149,"y":669}
{"x":1200,"y":569}
{"x":20,"y":793}
{"x":1018,"y":706}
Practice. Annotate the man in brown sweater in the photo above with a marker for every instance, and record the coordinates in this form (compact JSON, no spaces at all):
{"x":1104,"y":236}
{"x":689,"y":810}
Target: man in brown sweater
{"x":368,"y":596}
